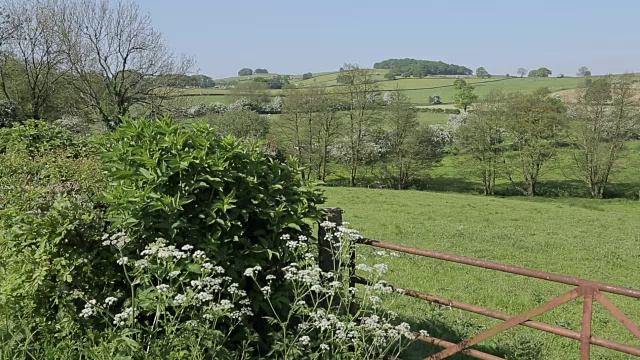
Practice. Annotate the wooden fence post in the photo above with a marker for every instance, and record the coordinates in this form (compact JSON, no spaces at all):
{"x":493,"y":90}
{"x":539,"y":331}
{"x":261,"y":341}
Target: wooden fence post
{"x":326,"y":259}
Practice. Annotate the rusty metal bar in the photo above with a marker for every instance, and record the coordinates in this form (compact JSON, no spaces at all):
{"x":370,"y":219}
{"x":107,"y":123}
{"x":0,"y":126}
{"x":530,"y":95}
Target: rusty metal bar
{"x":514,"y":321}
{"x":585,"y":334}
{"x":619,"y":315}
{"x":445,"y":344}
{"x":613,"y":345}
{"x":569,"y":280}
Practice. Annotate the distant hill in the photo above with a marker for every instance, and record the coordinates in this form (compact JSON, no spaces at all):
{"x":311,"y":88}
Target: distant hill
{"x":419,"y":68}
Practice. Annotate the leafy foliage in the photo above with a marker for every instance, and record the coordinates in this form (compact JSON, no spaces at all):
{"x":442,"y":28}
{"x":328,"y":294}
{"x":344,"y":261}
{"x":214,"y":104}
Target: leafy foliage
{"x":482,"y":73}
{"x":542,"y":72}
{"x":419,"y":68}
{"x":245,"y":72}
{"x":222,"y":195}
{"x":465,"y":97}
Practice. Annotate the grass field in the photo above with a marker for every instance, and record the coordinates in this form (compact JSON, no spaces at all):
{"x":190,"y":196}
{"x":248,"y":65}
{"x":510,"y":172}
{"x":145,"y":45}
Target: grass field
{"x":597,"y":240}
{"x":427,"y":118}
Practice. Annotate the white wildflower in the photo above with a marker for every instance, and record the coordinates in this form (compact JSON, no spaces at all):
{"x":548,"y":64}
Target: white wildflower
{"x":121,"y":319}
{"x":110,"y":301}
{"x":162,"y":288}
{"x":304,"y":341}
{"x":179,"y":299}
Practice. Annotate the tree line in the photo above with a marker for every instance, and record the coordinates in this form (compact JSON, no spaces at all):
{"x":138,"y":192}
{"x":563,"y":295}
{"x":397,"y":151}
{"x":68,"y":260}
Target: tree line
{"x":421,"y":68}
{"x":512,"y":136}
{"x":88,"y":58}
{"x":516,"y":136}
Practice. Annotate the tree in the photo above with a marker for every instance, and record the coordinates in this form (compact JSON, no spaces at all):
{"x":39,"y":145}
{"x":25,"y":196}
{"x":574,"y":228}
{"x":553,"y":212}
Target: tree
{"x":605,"y":118}
{"x":8,"y":25}
{"x":390,"y":76}
{"x":459,"y":84}
{"x":32,"y":62}
{"x":406,"y":75}
{"x":260,"y":71}
{"x":277,"y":82}
{"x":255,"y":93}
{"x":542,"y":72}
{"x":482,"y":73}
{"x":536,"y":123}
{"x":203,"y":81}
{"x":465,"y":97}
{"x":242,"y":123}
{"x":402,"y":122}
{"x":424,"y":67}
{"x":245,"y":72}
{"x":522,"y":72}
{"x":307,"y":76}
{"x":118,"y":60}
{"x":298,"y":125}
{"x":435,"y":99}
{"x":583,"y":71}
{"x":329,"y":125}
{"x":481,"y":137}
{"x":362,"y":116}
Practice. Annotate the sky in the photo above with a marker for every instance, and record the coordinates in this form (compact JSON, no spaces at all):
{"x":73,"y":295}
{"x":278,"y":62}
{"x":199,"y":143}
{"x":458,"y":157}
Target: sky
{"x":297,"y":36}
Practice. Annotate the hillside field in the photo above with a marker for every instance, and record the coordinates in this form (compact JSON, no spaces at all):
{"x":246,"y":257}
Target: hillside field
{"x":592,"y":239}
{"x":418,"y":89}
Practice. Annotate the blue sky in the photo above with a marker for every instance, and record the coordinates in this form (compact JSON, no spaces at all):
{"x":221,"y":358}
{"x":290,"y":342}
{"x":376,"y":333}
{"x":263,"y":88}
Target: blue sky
{"x":299,"y":36}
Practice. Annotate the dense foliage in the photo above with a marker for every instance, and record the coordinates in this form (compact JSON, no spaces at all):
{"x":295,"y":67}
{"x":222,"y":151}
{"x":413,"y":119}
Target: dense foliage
{"x":542,"y":72}
{"x":420,"y":68}
{"x":188,"y":245}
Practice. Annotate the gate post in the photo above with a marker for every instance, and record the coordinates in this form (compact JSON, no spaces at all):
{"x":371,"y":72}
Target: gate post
{"x":326,"y":259}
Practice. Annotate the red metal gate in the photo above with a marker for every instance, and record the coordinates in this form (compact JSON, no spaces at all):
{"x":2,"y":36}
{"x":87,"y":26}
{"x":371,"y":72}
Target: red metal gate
{"x":586,"y":289}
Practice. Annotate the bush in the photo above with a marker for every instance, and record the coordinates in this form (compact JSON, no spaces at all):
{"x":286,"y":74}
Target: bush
{"x":50,"y":226}
{"x":36,"y":137}
{"x":205,"y":252}
{"x":242,"y":123}
{"x":307,"y":76}
{"x":260,"y":71}
{"x":435,"y":99}
{"x":222,"y":195}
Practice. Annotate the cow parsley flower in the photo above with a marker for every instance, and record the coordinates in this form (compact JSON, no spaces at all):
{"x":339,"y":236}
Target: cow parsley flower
{"x":304,"y":340}
{"x":110,"y":301}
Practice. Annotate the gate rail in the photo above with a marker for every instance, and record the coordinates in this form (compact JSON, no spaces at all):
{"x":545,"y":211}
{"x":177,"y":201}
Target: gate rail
{"x":586,"y":289}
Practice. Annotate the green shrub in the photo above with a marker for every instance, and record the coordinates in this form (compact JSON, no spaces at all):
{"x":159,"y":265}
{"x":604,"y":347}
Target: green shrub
{"x":50,"y":228}
{"x":36,"y":137}
{"x":221,"y":195}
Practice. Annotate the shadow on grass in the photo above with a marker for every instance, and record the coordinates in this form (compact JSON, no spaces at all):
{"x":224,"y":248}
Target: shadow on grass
{"x":515,"y":347}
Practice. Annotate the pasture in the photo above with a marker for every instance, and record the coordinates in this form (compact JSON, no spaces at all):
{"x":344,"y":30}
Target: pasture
{"x":419,"y":89}
{"x":597,"y":240}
